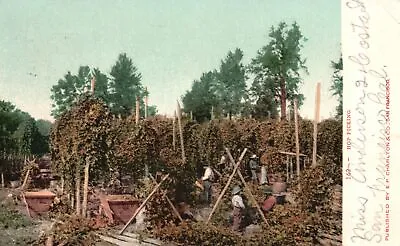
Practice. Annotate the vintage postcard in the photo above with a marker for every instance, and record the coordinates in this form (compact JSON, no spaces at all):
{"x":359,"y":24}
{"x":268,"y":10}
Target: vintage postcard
{"x":370,"y":34}
{"x":209,"y":122}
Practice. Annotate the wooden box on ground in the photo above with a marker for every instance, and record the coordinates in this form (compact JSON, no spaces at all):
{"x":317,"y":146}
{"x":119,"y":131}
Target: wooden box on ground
{"x":38,"y":202}
{"x":118,"y":208}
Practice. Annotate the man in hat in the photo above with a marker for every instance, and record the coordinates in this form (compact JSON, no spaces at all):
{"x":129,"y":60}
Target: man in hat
{"x":184,"y":212}
{"x":253,"y":164}
{"x":207,"y":179}
{"x":269,"y":201}
{"x":238,"y":207}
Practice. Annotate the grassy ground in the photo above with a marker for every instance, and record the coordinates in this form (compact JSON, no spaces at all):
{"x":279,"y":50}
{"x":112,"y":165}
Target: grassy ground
{"x":15,"y":227}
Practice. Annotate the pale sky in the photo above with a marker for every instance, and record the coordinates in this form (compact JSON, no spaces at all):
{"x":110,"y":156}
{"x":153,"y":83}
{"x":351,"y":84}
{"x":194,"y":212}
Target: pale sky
{"x":171,"y":42}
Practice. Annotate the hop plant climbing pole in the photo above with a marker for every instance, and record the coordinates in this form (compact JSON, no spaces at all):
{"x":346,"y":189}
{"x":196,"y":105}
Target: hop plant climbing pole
{"x":180,"y":131}
{"x":137,"y":110}
{"x":146,"y":99}
{"x":317,"y":104}
{"x":86,"y":171}
{"x":296,"y":125}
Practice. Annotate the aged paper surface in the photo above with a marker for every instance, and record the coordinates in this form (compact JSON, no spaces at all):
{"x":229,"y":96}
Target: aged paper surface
{"x":371,"y":37}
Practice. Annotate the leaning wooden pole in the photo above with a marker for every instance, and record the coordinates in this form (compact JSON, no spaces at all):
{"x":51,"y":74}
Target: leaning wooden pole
{"x":226,"y":186}
{"x":316,"y":120}
{"x":143,"y":204}
{"x":181,"y":131}
{"x":296,"y":125}
{"x":168,"y":200}
{"x":248,"y":189}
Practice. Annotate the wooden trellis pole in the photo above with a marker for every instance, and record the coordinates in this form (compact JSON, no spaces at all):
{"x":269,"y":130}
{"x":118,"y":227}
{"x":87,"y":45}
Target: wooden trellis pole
{"x":78,"y":189}
{"x":85,"y":189}
{"x":137,"y":110}
{"x":287,"y":168}
{"x":181,"y":131}
{"x":146,"y":103}
{"x":93,"y":83}
{"x":227,"y":185}
{"x":174,"y":131}
{"x":296,"y":123}
{"x":316,"y":119}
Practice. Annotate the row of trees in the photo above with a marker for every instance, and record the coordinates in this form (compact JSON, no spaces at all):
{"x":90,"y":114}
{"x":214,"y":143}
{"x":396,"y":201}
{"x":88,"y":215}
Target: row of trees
{"x":119,"y":91}
{"x":276,"y":81}
{"x":20,"y":133}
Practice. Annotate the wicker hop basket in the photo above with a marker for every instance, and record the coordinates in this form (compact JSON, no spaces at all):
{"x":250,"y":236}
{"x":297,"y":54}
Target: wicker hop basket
{"x":279,"y":187}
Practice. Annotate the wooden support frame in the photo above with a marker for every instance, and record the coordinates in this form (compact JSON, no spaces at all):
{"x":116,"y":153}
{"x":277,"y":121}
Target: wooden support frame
{"x":227,"y":185}
{"x":143,"y":204}
{"x":168,"y":200}
{"x":248,"y":189}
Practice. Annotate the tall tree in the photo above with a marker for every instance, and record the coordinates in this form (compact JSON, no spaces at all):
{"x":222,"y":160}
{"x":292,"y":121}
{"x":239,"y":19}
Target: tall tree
{"x":201,"y":98}
{"x":67,"y":90}
{"x":18,"y":132}
{"x":231,"y":83}
{"x":337,"y":85}
{"x":118,"y":92}
{"x":125,"y":86}
{"x":277,"y":67}
{"x":44,"y":127}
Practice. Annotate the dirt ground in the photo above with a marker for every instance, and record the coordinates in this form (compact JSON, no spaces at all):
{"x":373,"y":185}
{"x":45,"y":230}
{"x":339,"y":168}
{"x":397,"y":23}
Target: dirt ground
{"x":16,"y":227}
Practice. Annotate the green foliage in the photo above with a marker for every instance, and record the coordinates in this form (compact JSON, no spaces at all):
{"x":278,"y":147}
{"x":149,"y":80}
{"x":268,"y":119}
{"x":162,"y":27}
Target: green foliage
{"x":118,"y":92}
{"x":277,"y":66}
{"x":198,"y":234}
{"x":200,"y":99}
{"x":330,"y":135}
{"x":68,"y":90}
{"x":19,"y":133}
{"x":231,"y":84}
{"x":80,"y":136}
{"x":10,"y":218}
{"x":317,"y":194}
{"x":44,"y":127}
{"x":224,"y":90}
{"x":125,"y":86}
{"x":337,"y":85}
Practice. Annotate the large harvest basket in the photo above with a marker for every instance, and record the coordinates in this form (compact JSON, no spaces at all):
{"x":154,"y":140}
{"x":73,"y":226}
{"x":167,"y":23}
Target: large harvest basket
{"x":38,"y":202}
{"x":118,"y":208}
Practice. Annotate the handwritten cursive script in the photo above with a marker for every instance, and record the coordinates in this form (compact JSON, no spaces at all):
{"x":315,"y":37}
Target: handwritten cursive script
{"x":371,"y":93}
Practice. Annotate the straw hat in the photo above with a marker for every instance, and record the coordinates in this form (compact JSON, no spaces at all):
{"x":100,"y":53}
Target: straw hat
{"x":235,"y":190}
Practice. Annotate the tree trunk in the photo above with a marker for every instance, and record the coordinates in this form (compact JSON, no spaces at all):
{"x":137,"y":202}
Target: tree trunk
{"x":283,"y":98}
